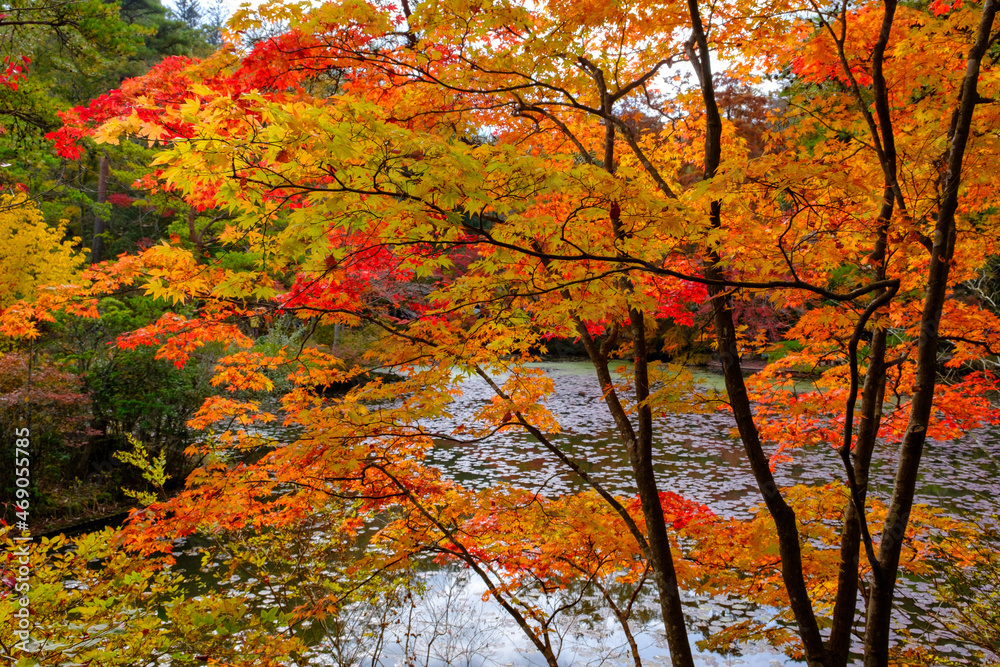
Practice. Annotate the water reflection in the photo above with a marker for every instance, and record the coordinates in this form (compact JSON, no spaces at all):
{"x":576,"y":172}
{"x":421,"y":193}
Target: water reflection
{"x":450,"y":625}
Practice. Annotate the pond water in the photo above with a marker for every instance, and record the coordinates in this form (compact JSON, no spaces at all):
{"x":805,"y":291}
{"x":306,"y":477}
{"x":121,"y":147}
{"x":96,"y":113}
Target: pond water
{"x":696,"y":457}
{"x":696,"y":454}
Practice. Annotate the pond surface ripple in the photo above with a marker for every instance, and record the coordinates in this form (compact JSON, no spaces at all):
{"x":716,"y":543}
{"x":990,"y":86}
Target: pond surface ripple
{"x":696,"y":456}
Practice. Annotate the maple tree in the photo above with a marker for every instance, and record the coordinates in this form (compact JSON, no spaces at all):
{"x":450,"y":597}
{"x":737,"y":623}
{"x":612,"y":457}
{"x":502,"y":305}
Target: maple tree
{"x":372,"y":145}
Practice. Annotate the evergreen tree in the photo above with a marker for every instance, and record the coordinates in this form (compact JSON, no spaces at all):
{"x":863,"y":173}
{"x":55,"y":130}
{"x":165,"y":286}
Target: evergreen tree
{"x":188,"y":12}
{"x":215,"y":20}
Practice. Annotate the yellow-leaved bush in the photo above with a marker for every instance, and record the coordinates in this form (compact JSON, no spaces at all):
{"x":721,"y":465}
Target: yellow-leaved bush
{"x":32,"y":252}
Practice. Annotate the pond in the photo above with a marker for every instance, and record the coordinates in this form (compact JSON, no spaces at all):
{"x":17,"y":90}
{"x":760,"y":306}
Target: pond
{"x":696,"y":457}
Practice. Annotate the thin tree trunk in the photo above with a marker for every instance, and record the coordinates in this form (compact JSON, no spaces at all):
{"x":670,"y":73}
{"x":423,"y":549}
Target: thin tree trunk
{"x":193,"y":235}
{"x":97,"y":249}
{"x":845,"y":606}
{"x":884,"y":580}
{"x":639,"y":444}
{"x":639,"y":450}
{"x":725,"y":332}
{"x":784,"y":517}
{"x":855,"y":529}
{"x":652,"y":509}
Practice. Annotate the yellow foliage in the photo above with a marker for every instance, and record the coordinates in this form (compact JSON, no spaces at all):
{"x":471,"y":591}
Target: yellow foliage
{"x":33,"y":254}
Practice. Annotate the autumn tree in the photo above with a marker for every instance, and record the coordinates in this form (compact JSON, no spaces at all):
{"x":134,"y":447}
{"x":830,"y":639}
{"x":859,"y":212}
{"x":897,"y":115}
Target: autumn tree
{"x":33,"y":254}
{"x":35,"y":391}
{"x":371,"y":143}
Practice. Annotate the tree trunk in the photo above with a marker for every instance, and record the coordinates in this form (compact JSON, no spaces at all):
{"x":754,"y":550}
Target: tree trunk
{"x":725,"y":332}
{"x":884,"y":579}
{"x":784,"y":517}
{"x":845,"y":607}
{"x":97,"y":249}
{"x":193,"y":234}
{"x":639,"y":444}
{"x":639,"y":449}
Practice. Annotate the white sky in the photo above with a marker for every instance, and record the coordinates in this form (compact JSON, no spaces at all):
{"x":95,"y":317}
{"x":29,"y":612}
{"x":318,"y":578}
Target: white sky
{"x":233,"y":5}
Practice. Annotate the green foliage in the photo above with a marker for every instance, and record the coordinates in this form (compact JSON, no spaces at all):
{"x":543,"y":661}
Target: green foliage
{"x":74,"y":52}
{"x":89,"y":342}
{"x":783,"y":348}
{"x":127,"y":610}
{"x":63,"y":41}
{"x":132,"y":392}
{"x":141,"y":394}
{"x":973,"y":593}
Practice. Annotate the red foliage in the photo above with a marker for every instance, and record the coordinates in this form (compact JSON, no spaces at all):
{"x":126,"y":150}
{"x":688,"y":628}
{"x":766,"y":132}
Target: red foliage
{"x":14,"y":70}
{"x":118,"y":199}
{"x":354,"y":280}
{"x":54,"y":397}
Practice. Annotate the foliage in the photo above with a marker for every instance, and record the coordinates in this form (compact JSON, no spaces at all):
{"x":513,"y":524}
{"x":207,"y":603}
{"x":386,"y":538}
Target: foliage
{"x":971,"y":591}
{"x":152,"y":469}
{"x":32,"y":254}
{"x":59,"y":54}
{"x":36,"y":394}
{"x":360,"y":156}
{"x":132,"y":390}
{"x":128,"y":611}
{"x":74,"y":35}
{"x":137,"y":393}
